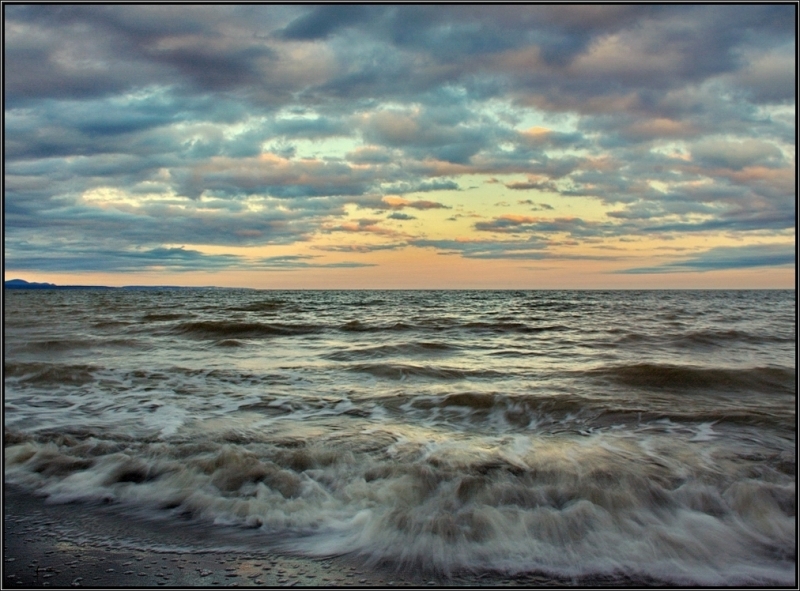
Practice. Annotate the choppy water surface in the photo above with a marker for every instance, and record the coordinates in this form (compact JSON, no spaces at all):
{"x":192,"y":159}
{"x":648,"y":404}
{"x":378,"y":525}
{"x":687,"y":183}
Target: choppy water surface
{"x":573,"y":433}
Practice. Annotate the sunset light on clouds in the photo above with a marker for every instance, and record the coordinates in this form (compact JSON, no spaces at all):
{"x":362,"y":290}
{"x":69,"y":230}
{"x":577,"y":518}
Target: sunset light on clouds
{"x":417,"y":146}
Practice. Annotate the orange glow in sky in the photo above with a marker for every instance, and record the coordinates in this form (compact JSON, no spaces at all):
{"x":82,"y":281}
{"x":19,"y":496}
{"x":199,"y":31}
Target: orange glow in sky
{"x":302,"y":147}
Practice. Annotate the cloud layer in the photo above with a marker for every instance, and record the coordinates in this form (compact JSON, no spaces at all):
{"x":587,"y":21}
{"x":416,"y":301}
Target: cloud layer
{"x":135,"y":135}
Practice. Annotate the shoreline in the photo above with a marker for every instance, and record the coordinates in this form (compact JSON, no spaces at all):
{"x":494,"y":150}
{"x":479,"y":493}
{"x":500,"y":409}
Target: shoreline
{"x":98,"y":546}
{"x":76,"y":545}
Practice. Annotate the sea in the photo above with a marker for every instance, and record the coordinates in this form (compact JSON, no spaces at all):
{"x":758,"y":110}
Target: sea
{"x":647,"y":434}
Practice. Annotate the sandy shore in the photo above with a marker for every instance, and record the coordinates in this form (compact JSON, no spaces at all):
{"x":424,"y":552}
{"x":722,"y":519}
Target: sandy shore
{"x":74,"y":545}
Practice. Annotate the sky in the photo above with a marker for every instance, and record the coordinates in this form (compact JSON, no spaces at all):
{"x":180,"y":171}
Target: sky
{"x":411,"y":146}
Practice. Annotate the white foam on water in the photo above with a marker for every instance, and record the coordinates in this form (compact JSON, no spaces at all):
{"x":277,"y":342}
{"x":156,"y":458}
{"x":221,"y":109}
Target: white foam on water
{"x":166,"y":419}
{"x":600,"y":504}
{"x":704,"y":432}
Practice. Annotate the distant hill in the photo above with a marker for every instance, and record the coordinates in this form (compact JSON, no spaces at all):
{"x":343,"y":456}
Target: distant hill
{"x":22,"y":284}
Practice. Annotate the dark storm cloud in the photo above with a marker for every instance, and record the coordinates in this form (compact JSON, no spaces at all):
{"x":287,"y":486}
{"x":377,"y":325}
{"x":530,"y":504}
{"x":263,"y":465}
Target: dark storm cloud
{"x":727,"y":257}
{"x":228,"y":104}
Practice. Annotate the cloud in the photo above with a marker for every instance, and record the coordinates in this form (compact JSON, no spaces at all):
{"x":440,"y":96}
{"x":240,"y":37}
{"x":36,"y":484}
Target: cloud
{"x":575,"y":227}
{"x":534,"y":182}
{"x":256,"y":125}
{"x":363,"y":225}
{"x":81,"y":259}
{"x":360,"y":248}
{"x":763,"y":79}
{"x":314,"y":128}
{"x":323,"y":21}
{"x":288,"y":262}
{"x":370,"y":155}
{"x":533,"y":249}
{"x":487,"y":249}
{"x":535,"y":206}
{"x":506,"y":223}
{"x":106,"y":214}
{"x":736,"y":155}
{"x":428,"y":133}
{"x":273,"y":175}
{"x":401,"y":203}
{"x":420,"y":187}
{"x":400,"y":216}
{"x":726,"y":257}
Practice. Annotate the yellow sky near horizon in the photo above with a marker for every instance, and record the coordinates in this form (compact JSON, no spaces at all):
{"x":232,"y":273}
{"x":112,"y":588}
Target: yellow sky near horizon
{"x":510,"y":150}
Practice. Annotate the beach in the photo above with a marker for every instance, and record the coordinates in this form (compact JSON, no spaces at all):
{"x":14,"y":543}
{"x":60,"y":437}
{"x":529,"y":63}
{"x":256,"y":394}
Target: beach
{"x":400,"y":438}
{"x":71,"y":545}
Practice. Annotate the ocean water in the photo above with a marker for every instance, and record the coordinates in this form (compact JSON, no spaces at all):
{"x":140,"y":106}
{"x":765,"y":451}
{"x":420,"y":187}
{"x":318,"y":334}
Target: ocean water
{"x":575,"y":433}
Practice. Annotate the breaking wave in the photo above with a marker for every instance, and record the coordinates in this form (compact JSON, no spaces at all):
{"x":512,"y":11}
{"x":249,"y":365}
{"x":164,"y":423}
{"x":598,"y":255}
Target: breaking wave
{"x":568,"y":507}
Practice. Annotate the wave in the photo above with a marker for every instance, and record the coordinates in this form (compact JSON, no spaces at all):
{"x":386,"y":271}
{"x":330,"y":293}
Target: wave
{"x":400,"y":371}
{"x":221,"y":329}
{"x":520,"y":327}
{"x":563,"y":506}
{"x":488,"y":400}
{"x":358,"y":326}
{"x":550,"y":413}
{"x":106,"y":324}
{"x":723,"y":337}
{"x":416,"y":349}
{"x":163,"y":316}
{"x":437,"y":324}
{"x":54,"y":374}
{"x":229,"y":343}
{"x":268,"y":305}
{"x":650,"y":375}
{"x":366,"y":303}
{"x":705,"y":338}
{"x":58,"y":345}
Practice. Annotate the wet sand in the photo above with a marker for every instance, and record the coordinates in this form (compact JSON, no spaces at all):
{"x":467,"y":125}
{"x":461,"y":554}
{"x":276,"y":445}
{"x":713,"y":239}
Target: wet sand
{"x":74,"y":545}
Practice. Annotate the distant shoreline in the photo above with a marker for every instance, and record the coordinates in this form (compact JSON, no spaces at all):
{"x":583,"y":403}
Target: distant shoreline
{"x":22,"y":284}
